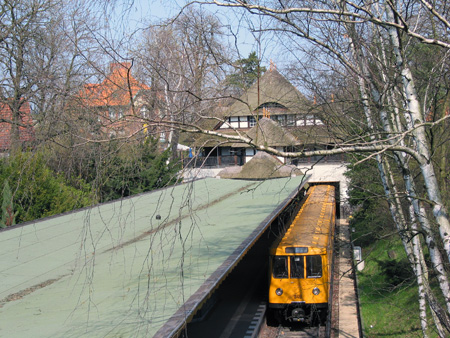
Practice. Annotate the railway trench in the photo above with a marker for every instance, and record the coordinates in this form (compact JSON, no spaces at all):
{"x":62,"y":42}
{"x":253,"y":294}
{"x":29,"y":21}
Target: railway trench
{"x":239,"y":298}
{"x":239,"y":306}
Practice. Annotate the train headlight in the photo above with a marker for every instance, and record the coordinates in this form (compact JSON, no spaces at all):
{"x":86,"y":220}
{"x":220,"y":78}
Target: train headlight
{"x":316,"y":291}
{"x":279,"y":291}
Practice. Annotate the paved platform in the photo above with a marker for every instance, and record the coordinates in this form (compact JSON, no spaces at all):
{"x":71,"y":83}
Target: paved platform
{"x":138,"y":267}
{"x":349,"y":325}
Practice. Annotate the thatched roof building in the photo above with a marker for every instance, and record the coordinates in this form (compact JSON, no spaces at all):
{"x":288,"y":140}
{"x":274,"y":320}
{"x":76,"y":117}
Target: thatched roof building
{"x":272,"y":90}
{"x":271,"y":113}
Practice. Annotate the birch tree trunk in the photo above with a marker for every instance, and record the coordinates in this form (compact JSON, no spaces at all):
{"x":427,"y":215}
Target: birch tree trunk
{"x":392,"y":125}
{"x":412,"y":248}
{"x":419,"y":136}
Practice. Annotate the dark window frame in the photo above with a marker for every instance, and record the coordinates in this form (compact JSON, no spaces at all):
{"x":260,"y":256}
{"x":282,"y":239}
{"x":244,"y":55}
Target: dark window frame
{"x":297,"y":270}
{"x":314,"y":268}
{"x":277,"y":271}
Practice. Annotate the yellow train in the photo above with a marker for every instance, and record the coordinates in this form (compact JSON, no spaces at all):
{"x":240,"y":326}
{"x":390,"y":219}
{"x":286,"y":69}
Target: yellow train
{"x":301,"y":261}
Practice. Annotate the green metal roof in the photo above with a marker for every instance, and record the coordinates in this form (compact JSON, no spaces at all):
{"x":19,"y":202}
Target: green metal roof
{"x":115,"y":270}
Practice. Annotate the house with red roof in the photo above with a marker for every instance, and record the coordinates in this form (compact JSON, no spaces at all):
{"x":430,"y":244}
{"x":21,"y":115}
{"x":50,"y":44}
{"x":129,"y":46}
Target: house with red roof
{"x":25,"y":125}
{"x":122,"y":105}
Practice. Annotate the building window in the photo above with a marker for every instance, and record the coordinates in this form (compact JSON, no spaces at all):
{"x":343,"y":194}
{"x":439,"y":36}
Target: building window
{"x":237,"y":122}
{"x":290,"y":120}
{"x":162,"y":137}
{"x":281,"y":119}
{"x":272,"y":105}
{"x":115,"y":113}
{"x":144,"y":112}
{"x":251,"y":121}
{"x":250,"y":152}
{"x":310,"y":120}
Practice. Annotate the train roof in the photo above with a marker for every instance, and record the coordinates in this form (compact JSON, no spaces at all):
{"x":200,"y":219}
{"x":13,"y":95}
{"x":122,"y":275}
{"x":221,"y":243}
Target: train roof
{"x":311,"y":227}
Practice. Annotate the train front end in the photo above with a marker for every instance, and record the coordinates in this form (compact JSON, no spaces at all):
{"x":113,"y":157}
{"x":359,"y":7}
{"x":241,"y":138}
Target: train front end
{"x":299,"y":286}
{"x":300,"y":263}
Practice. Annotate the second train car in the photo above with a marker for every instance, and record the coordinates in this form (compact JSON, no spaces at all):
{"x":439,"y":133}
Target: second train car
{"x":301,"y":261}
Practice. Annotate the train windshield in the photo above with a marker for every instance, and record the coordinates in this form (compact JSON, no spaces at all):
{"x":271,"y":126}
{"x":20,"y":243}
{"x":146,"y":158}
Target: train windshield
{"x":280,"y":267}
{"x":313,"y":266}
{"x":297,"y":267}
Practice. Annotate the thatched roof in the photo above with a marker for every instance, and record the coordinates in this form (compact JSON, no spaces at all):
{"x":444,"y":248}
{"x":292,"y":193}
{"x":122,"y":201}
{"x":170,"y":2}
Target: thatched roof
{"x":273,"y":87}
{"x":269,"y":133}
{"x":261,"y":166}
{"x":207,"y":123}
{"x":313,"y":134}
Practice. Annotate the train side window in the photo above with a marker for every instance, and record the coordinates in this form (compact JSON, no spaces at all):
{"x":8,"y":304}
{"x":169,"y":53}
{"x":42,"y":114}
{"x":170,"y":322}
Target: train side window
{"x":313,"y":266}
{"x":297,"y":267}
{"x":280,"y":268}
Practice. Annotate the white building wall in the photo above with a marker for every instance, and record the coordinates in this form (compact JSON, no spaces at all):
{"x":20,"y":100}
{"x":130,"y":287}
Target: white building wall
{"x":329,"y":172}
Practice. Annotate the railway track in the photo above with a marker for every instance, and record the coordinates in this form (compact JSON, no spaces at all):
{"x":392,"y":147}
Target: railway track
{"x":286,"y":332}
{"x":293,"y":332}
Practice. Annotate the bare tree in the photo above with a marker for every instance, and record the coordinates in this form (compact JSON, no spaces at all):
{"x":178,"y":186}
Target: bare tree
{"x":23,"y":23}
{"x":184,"y":60}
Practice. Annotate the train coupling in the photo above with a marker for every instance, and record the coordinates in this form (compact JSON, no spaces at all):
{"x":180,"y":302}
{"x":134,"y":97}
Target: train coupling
{"x":298,"y":315}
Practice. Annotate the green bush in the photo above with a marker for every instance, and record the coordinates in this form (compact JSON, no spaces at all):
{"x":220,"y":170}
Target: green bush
{"x":142,"y":168}
{"x":8,"y":216}
{"x":37,"y":191}
{"x":384,"y":295}
{"x":397,"y":272}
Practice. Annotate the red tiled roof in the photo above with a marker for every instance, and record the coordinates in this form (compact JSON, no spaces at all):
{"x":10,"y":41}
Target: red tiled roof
{"x":25,"y":133}
{"x":115,"y":90}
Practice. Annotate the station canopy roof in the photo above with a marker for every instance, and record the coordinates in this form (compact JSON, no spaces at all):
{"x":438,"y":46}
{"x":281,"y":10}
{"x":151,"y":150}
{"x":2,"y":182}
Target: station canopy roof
{"x":125,"y":268}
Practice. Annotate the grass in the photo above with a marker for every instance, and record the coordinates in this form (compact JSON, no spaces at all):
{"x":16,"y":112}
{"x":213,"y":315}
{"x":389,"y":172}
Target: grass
{"x":388,"y":294}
